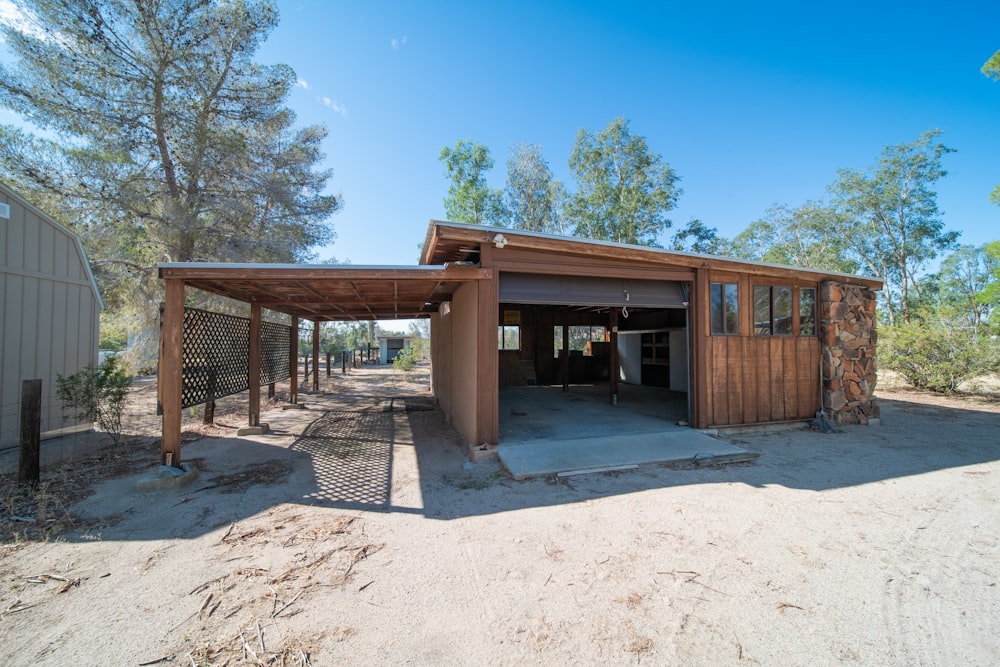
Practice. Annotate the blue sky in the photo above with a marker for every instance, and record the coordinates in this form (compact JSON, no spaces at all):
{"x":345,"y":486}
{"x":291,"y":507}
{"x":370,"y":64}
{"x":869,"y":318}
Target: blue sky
{"x":751,"y":103}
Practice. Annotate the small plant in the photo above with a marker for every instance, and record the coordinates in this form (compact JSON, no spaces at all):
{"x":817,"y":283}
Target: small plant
{"x":405,"y":360}
{"x":97,"y":394}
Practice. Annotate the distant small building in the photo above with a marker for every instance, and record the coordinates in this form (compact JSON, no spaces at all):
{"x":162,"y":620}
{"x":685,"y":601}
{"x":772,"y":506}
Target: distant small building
{"x":390,"y":346}
{"x":50,"y":312}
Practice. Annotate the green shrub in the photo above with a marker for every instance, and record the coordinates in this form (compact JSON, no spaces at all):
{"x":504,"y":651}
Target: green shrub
{"x":405,"y":360}
{"x":936,"y":358}
{"x":97,"y":394}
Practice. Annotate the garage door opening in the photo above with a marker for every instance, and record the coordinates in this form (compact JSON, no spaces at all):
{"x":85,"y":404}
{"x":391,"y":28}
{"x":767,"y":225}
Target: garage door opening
{"x":560,"y":379}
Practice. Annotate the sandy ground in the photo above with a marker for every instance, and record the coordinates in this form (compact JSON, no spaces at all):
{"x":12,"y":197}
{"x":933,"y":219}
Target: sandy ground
{"x":359,"y":534}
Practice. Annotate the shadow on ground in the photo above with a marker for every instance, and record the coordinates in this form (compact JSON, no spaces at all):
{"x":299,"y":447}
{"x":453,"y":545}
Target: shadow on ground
{"x":397,"y":455}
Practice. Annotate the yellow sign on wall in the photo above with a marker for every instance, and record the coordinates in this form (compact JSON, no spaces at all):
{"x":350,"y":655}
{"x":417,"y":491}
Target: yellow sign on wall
{"x":512,"y":318}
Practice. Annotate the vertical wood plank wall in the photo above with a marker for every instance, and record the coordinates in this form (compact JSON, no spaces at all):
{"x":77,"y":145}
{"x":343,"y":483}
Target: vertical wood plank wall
{"x":49,"y":313}
{"x":752,"y":379}
{"x":762,"y":378}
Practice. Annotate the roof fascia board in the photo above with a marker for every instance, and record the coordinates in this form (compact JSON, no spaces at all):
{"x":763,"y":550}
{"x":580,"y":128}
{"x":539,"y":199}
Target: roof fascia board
{"x":457,"y":231}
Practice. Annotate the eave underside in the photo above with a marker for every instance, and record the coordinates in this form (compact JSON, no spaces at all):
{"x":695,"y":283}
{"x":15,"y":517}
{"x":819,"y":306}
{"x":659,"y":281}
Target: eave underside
{"x":330,"y":294}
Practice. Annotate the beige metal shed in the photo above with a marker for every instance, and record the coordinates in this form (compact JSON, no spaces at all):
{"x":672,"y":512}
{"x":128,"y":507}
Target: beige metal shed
{"x":50,"y":310}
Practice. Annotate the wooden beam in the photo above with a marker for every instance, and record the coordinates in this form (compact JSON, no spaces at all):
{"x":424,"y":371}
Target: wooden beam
{"x":488,"y":357}
{"x":194,"y":272}
{"x":315,"y":384}
{"x":360,"y":296}
{"x":253,"y":371}
{"x":293,"y":361}
{"x":613,"y":345}
{"x":170,"y":372}
{"x":565,"y":358}
{"x":699,"y":313}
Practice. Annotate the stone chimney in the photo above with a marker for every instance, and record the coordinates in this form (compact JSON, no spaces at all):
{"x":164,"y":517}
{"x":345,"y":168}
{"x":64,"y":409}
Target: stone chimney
{"x":848,"y":337}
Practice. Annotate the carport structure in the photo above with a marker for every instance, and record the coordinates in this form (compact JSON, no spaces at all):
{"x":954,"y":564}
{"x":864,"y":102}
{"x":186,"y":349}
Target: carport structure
{"x":318,"y":293}
{"x":740,"y":342}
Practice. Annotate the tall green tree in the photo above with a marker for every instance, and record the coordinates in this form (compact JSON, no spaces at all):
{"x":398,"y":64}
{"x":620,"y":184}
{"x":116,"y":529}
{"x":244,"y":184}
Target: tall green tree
{"x":470,"y":198}
{"x":810,"y":236}
{"x":890,"y":218}
{"x":533,"y":197}
{"x":992,"y":69}
{"x":964,"y":283}
{"x":696,"y":236}
{"x":624,"y":189}
{"x":159,"y":136}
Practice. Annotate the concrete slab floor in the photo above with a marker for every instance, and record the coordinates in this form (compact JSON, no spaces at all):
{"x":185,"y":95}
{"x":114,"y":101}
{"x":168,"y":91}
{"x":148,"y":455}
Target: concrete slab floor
{"x":538,"y":459}
{"x":546,"y":413}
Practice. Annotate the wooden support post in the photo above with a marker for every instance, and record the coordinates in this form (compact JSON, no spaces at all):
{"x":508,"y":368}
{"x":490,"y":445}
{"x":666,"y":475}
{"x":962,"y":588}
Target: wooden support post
{"x":316,"y":355}
{"x":328,"y":353}
{"x":270,"y":390}
{"x":253,"y":416}
{"x":565,"y":358}
{"x":613,"y":349}
{"x":29,"y":467}
{"x":293,"y":361}
{"x":488,"y":354}
{"x":171,"y":367}
{"x":698,"y":321}
{"x":343,"y":362}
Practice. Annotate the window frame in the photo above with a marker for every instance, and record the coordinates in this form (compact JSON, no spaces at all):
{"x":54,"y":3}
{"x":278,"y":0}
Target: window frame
{"x":557,"y":337}
{"x":773,"y":317}
{"x":502,"y":337}
{"x":795,"y":304}
{"x":727,"y":315}
{"x":815,"y":310}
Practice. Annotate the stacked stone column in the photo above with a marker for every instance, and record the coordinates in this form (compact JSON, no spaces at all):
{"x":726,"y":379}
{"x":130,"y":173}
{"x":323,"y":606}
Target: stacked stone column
{"x":847,"y":331}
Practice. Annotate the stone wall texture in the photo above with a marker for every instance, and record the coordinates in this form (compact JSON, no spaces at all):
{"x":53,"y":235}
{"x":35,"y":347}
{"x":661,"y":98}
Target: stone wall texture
{"x":847,"y":332}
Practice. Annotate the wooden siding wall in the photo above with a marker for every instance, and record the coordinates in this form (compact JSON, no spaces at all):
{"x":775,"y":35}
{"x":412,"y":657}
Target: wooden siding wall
{"x":762,"y":378}
{"x":50,"y":312}
{"x":752,"y":379}
{"x":464,"y":385}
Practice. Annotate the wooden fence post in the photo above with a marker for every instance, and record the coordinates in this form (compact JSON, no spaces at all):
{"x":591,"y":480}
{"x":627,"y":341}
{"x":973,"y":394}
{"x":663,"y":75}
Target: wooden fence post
{"x":29,"y":467}
{"x":209,"y":416}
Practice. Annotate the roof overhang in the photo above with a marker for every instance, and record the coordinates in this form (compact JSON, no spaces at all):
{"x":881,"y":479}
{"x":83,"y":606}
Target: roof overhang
{"x":455,"y":241}
{"x":324,"y":293}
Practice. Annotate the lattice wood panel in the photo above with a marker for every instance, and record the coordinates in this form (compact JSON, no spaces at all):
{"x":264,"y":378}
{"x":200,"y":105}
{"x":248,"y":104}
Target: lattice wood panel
{"x":216,"y":354}
{"x":274,"y":352}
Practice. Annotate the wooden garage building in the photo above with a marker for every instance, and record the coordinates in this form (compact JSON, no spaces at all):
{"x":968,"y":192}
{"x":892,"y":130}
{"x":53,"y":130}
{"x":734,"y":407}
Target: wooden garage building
{"x":50,"y":312}
{"x":738,"y":342}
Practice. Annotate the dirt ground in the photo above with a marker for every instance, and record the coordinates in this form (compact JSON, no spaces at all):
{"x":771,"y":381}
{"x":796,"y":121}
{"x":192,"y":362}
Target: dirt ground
{"x":359,"y":533}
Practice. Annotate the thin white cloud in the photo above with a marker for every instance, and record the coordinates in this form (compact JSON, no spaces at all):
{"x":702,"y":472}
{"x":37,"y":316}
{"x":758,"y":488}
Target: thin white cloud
{"x":302,"y":83}
{"x":330,"y":104}
{"x":397,"y":43}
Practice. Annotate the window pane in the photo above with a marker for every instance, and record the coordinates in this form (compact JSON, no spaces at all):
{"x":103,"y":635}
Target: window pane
{"x":512,"y":338}
{"x":761,"y":310}
{"x":509,"y":338}
{"x":716,"y":308}
{"x":782,"y":310}
{"x":732,"y":309}
{"x":807,"y":311}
